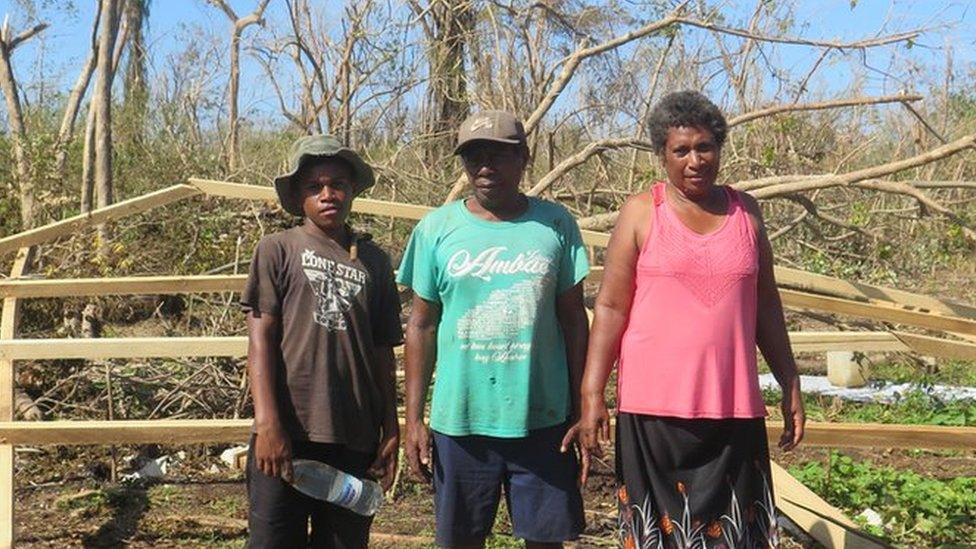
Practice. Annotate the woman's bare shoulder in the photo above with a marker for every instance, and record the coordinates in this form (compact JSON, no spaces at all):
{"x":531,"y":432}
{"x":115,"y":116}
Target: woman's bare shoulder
{"x":637,"y":205}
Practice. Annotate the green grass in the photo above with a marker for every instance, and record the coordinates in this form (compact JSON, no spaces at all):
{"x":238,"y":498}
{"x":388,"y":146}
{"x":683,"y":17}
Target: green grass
{"x":916,"y":511}
{"x":914,"y":408}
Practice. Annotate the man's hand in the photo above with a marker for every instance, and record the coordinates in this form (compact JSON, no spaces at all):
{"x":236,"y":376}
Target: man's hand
{"x":384,"y":467}
{"x":272,"y":452}
{"x":418,"y":450}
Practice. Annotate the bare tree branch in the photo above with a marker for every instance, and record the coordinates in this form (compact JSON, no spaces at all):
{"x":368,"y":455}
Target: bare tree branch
{"x":573,"y":61}
{"x":822,"y":105}
{"x":858,"y":44}
{"x":898,"y":187}
{"x":239,"y":24}
{"x":582,"y":156}
{"x":874,"y":172}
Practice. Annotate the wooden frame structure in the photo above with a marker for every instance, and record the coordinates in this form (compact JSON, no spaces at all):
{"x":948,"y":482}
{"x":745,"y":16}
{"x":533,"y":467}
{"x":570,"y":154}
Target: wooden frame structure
{"x":799,"y":289}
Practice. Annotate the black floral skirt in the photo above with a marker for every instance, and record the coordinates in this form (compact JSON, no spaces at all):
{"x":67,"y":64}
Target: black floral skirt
{"x":694,"y":483}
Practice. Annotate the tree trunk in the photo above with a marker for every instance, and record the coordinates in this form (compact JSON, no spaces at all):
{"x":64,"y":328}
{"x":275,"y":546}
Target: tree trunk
{"x":103,"y":108}
{"x":71,"y":109}
{"x":15,"y":120}
{"x":103,"y":103}
{"x":136,"y":93}
{"x":233,"y":146}
{"x":88,"y":162}
{"x":453,"y":20}
{"x":239,"y":24}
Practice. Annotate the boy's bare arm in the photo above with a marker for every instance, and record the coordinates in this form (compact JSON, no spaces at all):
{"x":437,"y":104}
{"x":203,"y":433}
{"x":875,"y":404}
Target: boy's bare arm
{"x":272,"y":446}
{"x":385,"y":465}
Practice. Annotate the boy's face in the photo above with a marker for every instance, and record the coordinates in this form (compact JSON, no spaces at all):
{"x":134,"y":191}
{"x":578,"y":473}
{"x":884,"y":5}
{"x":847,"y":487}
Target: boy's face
{"x":326,"y":191}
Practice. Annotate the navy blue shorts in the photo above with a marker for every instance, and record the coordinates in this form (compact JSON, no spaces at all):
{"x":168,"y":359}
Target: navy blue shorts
{"x":540,"y":484}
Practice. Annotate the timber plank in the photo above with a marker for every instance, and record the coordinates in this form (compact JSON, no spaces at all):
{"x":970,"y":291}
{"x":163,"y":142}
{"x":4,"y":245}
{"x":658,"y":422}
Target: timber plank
{"x":876,"y":311}
{"x":136,"y":285}
{"x":824,"y":522}
{"x":853,"y":435}
{"x":101,"y":215}
{"x":9,"y":319}
{"x":837,"y":287}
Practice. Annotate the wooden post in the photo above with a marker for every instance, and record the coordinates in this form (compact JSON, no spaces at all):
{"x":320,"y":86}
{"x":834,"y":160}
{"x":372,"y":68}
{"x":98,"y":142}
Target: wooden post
{"x":843,"y":370}
{"x":8,"y":330}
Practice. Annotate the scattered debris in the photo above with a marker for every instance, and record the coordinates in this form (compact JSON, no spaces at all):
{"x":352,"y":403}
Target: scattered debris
{"x":155,"y":468}
{"x":875,"y":391}
{"x":871,"y":517}
{"x":235,"y":457}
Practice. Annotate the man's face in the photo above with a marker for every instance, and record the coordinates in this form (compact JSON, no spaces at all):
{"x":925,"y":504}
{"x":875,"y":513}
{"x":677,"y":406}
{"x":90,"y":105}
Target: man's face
{"x":326,"y":192}
{"x":691,"y":160}
{"x":494,"y":171}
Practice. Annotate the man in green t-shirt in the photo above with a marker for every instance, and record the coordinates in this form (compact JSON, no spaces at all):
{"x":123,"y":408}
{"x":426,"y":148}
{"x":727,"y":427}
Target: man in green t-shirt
{"x":498,"y":300}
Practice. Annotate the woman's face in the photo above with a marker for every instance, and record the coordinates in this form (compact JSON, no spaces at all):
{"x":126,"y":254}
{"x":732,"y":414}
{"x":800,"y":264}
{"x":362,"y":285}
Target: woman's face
{"x":691,"y":160}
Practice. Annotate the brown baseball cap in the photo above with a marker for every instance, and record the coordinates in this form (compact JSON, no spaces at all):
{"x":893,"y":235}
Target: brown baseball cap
{"x":497,"y":126}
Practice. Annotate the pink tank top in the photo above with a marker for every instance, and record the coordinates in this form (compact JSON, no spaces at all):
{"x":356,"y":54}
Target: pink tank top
{"x":689,"y":349}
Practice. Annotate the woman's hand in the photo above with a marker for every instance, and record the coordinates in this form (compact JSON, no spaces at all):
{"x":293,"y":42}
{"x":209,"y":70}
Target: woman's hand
{"x":794,"y":418}
{"x":589,"y":433}
{"x":272,"y":452}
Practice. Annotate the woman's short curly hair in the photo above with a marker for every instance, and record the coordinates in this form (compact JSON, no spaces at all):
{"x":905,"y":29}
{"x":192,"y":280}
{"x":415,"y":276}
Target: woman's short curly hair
{"x":685,"y":109}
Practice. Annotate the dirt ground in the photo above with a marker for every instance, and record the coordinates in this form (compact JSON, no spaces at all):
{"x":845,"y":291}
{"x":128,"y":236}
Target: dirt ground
{"x":64,"y":500}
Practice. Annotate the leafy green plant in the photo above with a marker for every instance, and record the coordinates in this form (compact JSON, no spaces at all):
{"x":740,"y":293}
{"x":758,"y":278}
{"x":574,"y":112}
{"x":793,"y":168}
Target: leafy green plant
{"x":915,"y":510}
{"x":913,"y":408}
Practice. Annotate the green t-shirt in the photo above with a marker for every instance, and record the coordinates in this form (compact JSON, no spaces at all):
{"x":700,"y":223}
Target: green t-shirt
{"x":501,"y":359}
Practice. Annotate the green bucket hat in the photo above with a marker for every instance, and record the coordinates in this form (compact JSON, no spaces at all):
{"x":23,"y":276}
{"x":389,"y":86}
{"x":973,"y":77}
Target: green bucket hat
{"x":314,"y":146}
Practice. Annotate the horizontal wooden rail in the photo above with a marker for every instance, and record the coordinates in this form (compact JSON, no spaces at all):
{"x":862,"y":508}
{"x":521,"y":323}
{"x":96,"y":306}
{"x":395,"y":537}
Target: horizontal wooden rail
{"x":236,"y":346}
{"x":227,"y":189}
{"x":882,"y":435}
{"x":360,"y":205}
{"x":817,"y":283}
{"x":190,"y":431}
{"x":877,"y":311}
{"x":155,"y":431}
{"x":125,"y":347}
{"x":101,"y":215}
{"x":133,"y":285}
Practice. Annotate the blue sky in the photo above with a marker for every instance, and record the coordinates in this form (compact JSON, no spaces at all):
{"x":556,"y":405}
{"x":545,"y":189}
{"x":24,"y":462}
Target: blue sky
{"x":948,"y":23}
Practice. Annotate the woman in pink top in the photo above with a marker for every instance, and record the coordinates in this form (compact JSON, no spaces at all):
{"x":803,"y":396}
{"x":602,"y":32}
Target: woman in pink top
{"x":687,"y":295}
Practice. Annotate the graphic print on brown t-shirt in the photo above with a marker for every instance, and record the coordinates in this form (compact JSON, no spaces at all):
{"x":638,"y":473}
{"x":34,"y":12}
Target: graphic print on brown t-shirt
{"x":335,"y":286}
{"x":334,"y":310}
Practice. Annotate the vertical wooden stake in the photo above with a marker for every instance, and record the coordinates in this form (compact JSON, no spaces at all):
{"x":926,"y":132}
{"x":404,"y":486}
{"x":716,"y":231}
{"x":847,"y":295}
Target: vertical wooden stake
{"x":8,"y":329}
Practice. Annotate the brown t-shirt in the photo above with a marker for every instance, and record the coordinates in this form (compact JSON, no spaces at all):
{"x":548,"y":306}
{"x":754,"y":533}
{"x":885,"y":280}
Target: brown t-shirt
{"x":333,"y":311}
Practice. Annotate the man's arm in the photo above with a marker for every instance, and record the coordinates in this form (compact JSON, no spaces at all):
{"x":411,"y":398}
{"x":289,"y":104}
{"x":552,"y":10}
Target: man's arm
{"x":420,"y":354}
{"x":272,"y":446}
{"x":571,"y":315}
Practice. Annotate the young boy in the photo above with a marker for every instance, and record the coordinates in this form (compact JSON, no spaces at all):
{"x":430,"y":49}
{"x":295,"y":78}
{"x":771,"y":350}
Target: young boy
{"x":323,"y":316}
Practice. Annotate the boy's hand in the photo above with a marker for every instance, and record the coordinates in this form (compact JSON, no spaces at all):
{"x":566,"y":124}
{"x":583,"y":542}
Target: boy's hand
{"x":418,"y":450}
{"x":272,"y":452}
{"x":384,"y":467}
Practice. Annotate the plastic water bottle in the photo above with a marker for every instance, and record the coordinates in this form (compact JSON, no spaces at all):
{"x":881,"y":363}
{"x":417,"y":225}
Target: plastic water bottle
{"x":323,"y":481}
